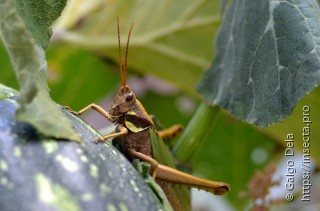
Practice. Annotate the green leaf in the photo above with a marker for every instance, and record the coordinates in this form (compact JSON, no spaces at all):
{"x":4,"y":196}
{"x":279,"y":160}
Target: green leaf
{"x":267,"y":59}
{"x":169,"y":38}
{"x":38,"y":16}
{"x":29,"y":63}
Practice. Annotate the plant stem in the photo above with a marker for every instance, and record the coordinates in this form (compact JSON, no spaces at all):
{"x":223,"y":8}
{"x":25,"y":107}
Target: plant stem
{"x":195,"y":132}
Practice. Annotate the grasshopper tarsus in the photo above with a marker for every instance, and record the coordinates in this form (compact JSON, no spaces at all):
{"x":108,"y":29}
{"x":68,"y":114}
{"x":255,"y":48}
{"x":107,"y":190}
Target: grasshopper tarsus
{"x":70,"y":110}
{"x":223,"y":190}
{"x":97,"y":141}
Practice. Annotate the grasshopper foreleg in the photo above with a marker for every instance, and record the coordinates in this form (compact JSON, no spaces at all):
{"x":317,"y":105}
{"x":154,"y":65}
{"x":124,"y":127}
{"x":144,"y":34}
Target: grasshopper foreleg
{"x":122,"y":131}
{"x":70,"y":110}
{"x":95,"y":107}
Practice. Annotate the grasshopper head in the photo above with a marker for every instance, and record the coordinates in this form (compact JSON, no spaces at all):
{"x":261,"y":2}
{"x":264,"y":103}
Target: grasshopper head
{"x":123,"y":102}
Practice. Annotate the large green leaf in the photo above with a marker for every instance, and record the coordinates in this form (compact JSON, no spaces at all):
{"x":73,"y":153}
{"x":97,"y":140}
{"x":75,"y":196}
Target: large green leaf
{"x":169,"y":38}
{"x":29,"y":63}
{"x":267,"y":59}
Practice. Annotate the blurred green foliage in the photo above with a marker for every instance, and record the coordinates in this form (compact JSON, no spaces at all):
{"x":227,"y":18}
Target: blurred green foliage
{"x":7,"y":75}
{"x":168,"y":36}
{"x":77,"y":77}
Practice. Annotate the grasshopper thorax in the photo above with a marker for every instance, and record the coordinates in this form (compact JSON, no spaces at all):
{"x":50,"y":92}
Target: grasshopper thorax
{"x":124,"y":101}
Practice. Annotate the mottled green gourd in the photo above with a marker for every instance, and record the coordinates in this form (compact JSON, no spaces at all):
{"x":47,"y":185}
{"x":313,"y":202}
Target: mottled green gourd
{"x":38,"y":173}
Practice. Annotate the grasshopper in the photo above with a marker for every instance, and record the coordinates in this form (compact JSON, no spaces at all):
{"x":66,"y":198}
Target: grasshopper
{"x":139,"y":139}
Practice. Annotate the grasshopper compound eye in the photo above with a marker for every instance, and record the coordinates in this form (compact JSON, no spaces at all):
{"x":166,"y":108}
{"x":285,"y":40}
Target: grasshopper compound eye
{"x":130,"y":100}
{"x":129,"y":97}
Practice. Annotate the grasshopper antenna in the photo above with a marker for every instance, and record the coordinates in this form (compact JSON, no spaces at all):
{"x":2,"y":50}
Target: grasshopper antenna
{"x":123,"y":70}
{"x":120,"y":56}
{"x":125,"y":61}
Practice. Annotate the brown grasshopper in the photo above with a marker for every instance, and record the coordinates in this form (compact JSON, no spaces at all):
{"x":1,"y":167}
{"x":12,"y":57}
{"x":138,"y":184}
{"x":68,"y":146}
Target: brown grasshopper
{"x":135,"y":130}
